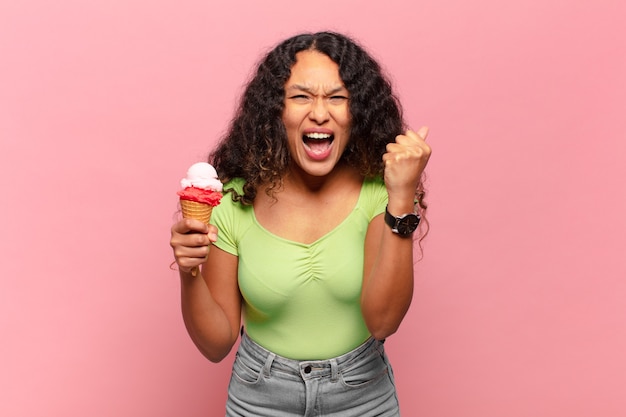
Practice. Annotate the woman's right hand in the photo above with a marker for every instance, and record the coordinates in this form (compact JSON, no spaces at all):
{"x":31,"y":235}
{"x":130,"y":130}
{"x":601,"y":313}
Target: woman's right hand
{"x":190,"y":242}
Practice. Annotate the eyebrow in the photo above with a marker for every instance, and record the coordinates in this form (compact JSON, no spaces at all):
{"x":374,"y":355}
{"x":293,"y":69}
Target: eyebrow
{"x":306,"y":89}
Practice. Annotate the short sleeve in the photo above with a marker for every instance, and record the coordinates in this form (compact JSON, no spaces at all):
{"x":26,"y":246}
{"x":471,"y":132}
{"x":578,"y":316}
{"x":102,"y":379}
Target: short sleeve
{"x":376,"y":197}
{"x":227,"y":217}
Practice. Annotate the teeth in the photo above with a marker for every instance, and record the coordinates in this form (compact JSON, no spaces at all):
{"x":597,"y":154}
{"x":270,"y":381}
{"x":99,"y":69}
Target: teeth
{"x":318,"y":136}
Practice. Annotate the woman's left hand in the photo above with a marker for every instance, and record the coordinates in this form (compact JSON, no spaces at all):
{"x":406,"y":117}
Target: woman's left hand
{"x":405,"y":161}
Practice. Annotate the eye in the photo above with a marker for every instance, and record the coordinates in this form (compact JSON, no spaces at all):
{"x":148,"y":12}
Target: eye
{"x":337,"y":99}
{"x":300,"y":98}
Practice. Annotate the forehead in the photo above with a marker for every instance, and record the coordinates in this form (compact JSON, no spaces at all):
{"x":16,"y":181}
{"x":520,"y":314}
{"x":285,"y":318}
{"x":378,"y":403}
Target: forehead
{"x":314,"y":69}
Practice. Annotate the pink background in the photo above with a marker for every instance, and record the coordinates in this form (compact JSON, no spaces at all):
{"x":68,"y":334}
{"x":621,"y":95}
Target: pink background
{"x":519,"y":303}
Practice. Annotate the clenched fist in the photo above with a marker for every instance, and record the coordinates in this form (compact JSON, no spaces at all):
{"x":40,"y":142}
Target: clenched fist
{"x":405,"y":161}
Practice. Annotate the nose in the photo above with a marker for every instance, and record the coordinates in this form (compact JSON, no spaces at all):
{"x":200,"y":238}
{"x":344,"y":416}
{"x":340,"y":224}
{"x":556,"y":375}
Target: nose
{"x":319,"y":111}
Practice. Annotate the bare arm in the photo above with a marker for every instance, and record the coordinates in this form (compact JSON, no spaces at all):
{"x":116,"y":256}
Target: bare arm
{"x":388,"y":269}
{"x":211,"y":304}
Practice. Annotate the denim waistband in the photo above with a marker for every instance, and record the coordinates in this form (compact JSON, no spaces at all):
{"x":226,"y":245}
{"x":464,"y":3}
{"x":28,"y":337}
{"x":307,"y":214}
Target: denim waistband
{"x":307,"y":368}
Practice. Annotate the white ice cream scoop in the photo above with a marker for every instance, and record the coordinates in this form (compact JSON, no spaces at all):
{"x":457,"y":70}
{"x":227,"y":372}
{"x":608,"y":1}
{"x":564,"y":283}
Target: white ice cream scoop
{"x":202,"y":175}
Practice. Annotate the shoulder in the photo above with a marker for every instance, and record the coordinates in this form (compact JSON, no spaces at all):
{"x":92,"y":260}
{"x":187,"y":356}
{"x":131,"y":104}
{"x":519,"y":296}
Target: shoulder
{"x":373,"y":196}
{"x":231,"y":217}
{"x":236,"y":184}
{"x":374,"y":186}
{"x":228,"y":202}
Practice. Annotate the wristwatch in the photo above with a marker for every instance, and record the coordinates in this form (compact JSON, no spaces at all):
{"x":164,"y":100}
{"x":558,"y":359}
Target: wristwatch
{"x":403,"y":225}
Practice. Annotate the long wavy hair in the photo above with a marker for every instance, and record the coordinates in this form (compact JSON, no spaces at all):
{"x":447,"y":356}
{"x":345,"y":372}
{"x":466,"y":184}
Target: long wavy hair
{"x":255,"y":146}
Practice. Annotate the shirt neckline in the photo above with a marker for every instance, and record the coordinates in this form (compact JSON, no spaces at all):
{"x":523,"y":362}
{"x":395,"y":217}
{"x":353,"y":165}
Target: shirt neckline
{"x":321,"y":238}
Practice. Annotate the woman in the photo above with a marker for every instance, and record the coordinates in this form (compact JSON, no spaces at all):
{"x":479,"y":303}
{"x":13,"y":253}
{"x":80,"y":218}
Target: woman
{"x":314,"y":247}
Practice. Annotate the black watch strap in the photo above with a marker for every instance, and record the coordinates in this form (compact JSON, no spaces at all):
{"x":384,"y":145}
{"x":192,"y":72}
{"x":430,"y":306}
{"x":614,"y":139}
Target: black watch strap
{"x":403,"y":225}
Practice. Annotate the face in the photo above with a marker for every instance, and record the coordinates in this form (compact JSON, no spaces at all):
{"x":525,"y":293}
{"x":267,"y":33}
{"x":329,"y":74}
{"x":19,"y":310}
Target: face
{"x":316,"y":114}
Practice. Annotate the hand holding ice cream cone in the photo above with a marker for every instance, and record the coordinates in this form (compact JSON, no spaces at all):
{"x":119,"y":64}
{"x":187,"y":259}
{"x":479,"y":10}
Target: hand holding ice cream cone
{"x":202,"y":190}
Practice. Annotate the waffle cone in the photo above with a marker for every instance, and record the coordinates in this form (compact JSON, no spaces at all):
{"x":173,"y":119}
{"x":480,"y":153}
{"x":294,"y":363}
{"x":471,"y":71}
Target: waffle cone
{"x":195,"y":210}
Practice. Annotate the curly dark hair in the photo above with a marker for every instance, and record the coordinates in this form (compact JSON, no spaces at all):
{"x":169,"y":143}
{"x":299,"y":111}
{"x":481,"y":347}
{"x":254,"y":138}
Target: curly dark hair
{"x":255,"y":146}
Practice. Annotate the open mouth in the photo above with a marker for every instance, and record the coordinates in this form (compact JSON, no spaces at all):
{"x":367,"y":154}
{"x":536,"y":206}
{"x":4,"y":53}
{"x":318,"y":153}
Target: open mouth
{"x":318,"y":143}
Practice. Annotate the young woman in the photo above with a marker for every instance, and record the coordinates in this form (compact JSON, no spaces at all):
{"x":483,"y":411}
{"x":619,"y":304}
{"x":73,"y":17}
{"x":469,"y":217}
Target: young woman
{"x":313,"y":242}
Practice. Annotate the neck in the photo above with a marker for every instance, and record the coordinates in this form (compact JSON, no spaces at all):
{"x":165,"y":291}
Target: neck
{"x":295,"y":178}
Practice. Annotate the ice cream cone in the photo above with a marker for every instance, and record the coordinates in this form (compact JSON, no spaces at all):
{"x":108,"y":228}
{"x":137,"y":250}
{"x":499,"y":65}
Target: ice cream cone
{"x":198,"y":211}
{"x":195,"y":210}
{"x":202,"y":190}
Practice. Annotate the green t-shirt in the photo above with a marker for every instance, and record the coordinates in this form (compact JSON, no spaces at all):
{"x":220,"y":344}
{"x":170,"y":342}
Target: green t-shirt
{"x":301,"y":301}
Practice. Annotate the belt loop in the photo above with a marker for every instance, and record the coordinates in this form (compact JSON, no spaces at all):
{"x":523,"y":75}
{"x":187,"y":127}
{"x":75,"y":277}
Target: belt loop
{"x":334,"y":370}
{"x":268,"y":364}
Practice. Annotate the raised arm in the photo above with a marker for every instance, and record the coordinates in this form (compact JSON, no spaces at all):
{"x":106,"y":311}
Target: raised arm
{"x":388,"y":270}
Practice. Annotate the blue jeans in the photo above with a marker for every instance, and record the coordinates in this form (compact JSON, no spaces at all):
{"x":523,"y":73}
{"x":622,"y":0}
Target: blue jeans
{"x":359,"y":383}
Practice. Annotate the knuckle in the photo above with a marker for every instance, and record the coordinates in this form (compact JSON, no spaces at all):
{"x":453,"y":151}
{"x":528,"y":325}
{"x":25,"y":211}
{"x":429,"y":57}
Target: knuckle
{"x":200,"y":240}
{"x":175,"y":240}
{"x":178,"y":252}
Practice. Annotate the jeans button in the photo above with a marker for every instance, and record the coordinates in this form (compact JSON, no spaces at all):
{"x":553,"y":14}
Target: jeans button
{"x":307,"y":369}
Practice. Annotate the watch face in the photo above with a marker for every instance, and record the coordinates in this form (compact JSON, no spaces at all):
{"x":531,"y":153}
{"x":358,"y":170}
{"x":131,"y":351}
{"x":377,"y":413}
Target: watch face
{"x":408,"y":224}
